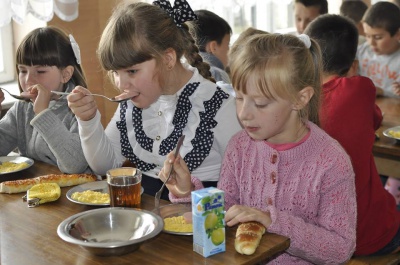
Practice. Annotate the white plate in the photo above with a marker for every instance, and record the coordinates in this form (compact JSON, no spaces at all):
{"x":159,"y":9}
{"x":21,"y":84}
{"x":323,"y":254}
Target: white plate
{"x":101,"y":186}
{"x":395,"y":129}
{"x":16,"y":159}
{"x":174,"y":210}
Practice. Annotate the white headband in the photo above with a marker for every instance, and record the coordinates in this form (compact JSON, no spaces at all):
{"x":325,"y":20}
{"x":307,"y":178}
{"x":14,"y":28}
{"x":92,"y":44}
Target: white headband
{"x":75,"y":48}
{"x":305,"y":39}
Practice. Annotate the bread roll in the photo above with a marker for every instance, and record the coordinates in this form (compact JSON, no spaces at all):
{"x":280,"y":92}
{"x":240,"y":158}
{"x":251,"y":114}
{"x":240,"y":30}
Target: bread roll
{"x":63,"y":180}
{"x":248,"y":236}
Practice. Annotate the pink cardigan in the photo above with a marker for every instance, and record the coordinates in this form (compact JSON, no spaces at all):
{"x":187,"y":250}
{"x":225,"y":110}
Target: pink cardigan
{"x":309,"y":191}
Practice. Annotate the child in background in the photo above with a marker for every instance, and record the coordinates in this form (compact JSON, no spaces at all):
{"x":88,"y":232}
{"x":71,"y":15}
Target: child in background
{"x":306,"y":11}
{"x":282,"y":170}
{"x":45,"y":129}
{"x":213,"y":35}
{"x":354,"y":10}
{"x":379,"y":57}
{"x":142,"y":47}
{"x":344,"y":101}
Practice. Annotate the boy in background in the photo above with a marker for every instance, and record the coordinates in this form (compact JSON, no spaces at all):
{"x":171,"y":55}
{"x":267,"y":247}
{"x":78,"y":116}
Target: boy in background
{"x":213,"y":35}
{"x":306,"y":11}
{"x":343,"y":101}
{"x":379,"y":57}
{"x":355,"y":10}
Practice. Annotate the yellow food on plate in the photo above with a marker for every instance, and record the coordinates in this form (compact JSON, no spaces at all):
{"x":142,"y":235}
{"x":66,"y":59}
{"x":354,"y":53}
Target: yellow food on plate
{"x":89,"y":196}
{"x":394,"y":133}
{"x":177,"y":224}
{"x":6,"y":167}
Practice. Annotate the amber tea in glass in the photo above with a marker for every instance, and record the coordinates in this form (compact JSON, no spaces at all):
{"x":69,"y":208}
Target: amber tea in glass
{"x":125,"y":187}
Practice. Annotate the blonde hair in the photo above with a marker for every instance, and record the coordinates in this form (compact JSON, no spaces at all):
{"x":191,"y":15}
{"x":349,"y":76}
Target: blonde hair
{"x":282,"y":66}
{"x":138,"y":32}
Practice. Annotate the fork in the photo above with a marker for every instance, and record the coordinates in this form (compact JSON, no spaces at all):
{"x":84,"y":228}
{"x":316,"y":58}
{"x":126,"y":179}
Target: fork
{"x":158,"y":194}
{"x":15,"y":96}
{"x":113,"y":99}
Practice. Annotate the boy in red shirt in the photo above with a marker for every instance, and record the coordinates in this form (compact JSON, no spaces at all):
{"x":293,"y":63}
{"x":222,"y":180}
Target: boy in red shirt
{"x":344,"y":101}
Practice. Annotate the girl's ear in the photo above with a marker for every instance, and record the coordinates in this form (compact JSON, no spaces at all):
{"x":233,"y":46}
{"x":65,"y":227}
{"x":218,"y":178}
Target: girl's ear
{"x":303,"y":98}
{"x":170,"y":58}
{"x":67,"y":73}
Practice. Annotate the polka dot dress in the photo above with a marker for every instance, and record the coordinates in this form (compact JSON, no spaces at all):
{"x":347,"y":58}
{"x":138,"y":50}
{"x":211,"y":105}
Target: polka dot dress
{"x":202,"y":141}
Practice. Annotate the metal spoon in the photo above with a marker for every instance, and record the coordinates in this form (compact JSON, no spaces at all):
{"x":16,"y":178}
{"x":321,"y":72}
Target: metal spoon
{"x":113,"y":99}
{"x":15,"y":96}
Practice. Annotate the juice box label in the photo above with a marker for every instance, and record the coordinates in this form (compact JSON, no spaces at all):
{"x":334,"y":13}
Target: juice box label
{"x":208,"y":221}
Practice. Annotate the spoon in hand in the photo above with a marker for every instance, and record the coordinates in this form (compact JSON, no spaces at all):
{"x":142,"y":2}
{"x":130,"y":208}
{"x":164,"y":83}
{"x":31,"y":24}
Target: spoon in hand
{"x":113,"y":99}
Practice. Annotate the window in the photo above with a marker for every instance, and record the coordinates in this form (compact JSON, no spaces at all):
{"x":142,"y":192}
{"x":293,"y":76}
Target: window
{"x":7,"y":71}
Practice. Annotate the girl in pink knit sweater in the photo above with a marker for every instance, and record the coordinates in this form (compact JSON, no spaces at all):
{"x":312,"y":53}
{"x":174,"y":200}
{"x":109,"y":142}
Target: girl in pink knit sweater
{"x":282,"y":170}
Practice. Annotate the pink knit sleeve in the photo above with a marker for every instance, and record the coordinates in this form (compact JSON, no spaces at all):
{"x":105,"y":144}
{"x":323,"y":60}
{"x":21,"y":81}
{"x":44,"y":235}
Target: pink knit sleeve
{"x":331,"y":239}
{"x":197,"y":186}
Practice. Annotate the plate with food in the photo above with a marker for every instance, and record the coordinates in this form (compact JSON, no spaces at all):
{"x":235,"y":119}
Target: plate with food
{"x":177,"y":219}
{"x":93,"y":193}
{"x":393,"y":132}
{"x":11,"y":164}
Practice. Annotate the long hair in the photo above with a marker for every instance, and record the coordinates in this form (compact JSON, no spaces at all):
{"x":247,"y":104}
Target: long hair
{"x":138,"y":32}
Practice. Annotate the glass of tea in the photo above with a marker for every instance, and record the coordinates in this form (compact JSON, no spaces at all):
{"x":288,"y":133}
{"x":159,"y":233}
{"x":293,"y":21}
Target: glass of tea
{"x":125,"y":187}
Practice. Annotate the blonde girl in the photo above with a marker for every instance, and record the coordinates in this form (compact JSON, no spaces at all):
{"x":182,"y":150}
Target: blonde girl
{"x":43,"y":127}
{"x":282,"y":170}
{"x":155,"y":65}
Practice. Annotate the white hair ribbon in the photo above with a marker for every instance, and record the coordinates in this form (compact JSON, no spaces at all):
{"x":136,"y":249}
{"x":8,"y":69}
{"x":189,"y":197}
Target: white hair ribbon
{"x":75,"y":48}
{"x":305,"y":39}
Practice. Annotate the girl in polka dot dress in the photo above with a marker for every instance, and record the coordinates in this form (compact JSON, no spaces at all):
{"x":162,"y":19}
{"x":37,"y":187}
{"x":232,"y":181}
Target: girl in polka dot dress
{"x":153,"y":61}
{"x":282,"y":170}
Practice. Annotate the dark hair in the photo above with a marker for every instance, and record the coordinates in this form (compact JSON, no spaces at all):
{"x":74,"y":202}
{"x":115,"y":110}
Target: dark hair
{"x":353,"y":9}
{"x":322,"y":4}
{"x":137,"y":32}
{"x":208,"y":27}
{"x":383,"y":15}
{"x":49,"y":46}
{"x":337,"y":37}
{"x":281,"y":66}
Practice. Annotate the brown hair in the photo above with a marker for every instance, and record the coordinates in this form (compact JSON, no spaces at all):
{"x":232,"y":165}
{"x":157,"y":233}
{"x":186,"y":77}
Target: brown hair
{"x":49,"y":46}
{"x":138,"y":32}
{"x":282,"y":66}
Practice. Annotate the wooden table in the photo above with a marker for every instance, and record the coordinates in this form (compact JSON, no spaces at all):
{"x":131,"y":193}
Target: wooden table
{"x":29,"y":235}
{"x":387,"y":150}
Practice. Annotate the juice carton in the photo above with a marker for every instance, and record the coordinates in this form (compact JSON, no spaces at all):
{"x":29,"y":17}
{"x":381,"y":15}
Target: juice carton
{"x":208,"y":221}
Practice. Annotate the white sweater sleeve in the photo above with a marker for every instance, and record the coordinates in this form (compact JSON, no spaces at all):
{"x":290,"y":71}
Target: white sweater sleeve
{"x":101,"y":147}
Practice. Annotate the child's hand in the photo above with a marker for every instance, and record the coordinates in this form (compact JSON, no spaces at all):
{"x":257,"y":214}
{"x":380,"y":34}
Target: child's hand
{"x":180,"y":182}
{"x":82,"y":103}
{"x":240,"y":214}
{"x":396,"y":88}
{"x":40,"y":97}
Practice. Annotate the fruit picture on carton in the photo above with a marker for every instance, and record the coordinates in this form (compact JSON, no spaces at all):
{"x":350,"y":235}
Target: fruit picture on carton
{"x":213,"y":218}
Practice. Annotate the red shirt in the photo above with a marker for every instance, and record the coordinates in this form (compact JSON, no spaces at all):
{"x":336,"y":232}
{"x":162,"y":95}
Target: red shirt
{"x":349,"y":114}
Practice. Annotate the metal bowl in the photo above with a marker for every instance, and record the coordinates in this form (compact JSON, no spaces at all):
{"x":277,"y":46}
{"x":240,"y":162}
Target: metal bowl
{"x":110,"y":231}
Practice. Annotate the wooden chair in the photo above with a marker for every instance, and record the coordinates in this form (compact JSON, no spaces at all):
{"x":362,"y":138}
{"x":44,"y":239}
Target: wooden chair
{"x":392,"y":259}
